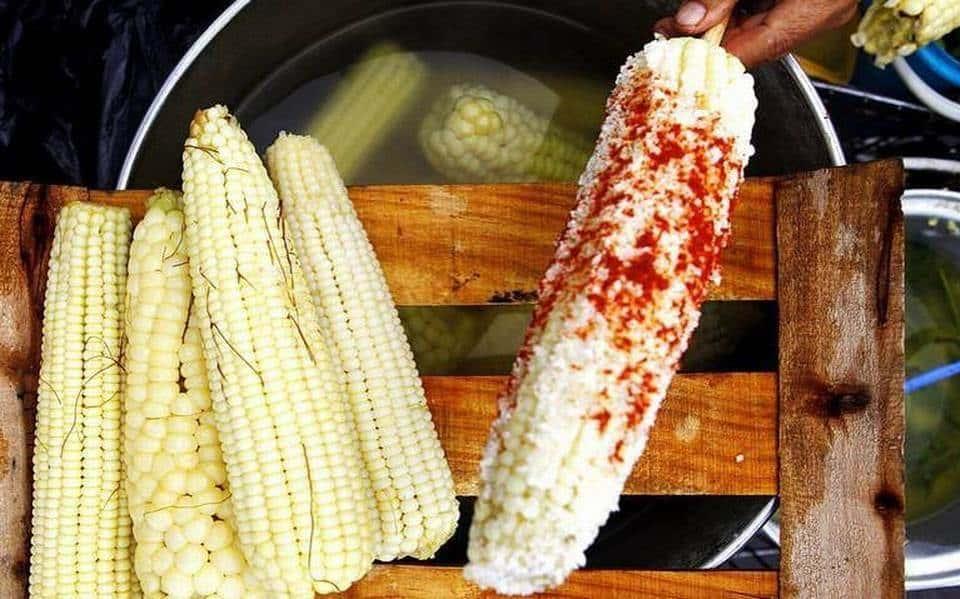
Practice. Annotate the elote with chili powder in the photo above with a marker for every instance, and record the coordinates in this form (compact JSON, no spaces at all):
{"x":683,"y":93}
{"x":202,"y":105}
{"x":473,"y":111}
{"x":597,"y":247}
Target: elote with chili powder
{"x":617,"y":307}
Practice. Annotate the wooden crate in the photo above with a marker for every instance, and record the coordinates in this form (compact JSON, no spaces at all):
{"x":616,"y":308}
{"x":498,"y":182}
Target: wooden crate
{"x":825,"y":432}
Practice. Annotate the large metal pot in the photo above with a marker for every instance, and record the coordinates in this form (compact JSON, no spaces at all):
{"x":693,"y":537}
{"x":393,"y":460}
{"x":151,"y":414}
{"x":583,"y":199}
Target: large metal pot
{"x":257,"y":52}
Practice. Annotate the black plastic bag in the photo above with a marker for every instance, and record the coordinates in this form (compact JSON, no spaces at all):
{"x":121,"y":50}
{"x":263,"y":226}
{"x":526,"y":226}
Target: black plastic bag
{"x":77,"y":77}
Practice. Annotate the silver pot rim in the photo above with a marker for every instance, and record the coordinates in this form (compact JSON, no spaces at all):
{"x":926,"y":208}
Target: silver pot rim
{"x":808,"y":91}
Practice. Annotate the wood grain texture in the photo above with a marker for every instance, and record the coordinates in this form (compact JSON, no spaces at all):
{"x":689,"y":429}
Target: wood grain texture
{"x":430,"y":582}
{"x":467,"y":244}
{"x":715,"y":434}
{"x":840,"y":240}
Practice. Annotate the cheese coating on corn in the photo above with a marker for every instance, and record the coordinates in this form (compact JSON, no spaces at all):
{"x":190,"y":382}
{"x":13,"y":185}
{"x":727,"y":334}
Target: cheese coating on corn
{"x":615,"y":312}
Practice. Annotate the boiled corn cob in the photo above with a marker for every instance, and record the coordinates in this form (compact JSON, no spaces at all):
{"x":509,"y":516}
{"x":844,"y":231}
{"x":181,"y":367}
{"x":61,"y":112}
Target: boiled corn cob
{"x":176,"y":480}
{"x":411,"y":479}
{"x":81,"y":530}
{"x":474,"y":134}
{"x":441,"y":337}
{"x":302,"y":499}
{"x":616,"y":309}
{"x":367,"y":104}
{"x":893,"y":28}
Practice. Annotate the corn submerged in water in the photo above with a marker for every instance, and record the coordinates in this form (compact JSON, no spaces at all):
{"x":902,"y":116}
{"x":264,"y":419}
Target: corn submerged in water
{"x":367,"y":104}
{"x":894,"y":28}
{"x":81,"y":538}
{"x":176,"y":479}
{"x":411,"y":480}
{"x":476,"y":135}
{"x":302,"y":498}
{"x":615,"y":312}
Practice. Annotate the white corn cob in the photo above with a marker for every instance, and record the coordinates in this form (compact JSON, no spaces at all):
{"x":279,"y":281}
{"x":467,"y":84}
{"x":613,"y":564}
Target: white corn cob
{"x":81,"y":530}
{"x":176,"y":480}
{"x":367,"y":105}
{"x":411,"y":480}
{"x":474,"y":134}
{"x":301,"y":496}
{"x":893,"y":28}
{"x":616,"y":309}
{"x":442,"y":337}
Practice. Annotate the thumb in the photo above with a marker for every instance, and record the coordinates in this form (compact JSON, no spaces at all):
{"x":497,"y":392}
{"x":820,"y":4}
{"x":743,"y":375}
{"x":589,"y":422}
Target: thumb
{"x":696,"y":16}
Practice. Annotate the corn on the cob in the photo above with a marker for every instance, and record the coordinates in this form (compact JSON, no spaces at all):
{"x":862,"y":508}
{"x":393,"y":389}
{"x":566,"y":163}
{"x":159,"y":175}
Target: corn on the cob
{"x":411,"y":480}
{"x":367,"y":104}
{"x":474,"y":134}
{"x":81,"y":529}
{"x":441,"y":337}
{"x":616,"y":309}
{"x":176,"y":480}
{"x":301,"y":496}
{"x":892,"y":28}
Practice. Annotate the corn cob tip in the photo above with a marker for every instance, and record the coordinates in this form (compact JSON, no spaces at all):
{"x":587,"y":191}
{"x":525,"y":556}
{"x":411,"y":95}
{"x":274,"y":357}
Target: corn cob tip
{"x":705,"y":77}
{"x":163,"y":199}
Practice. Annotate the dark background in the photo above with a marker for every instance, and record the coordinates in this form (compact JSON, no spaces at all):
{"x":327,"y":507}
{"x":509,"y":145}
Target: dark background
{"x":77,"y":76}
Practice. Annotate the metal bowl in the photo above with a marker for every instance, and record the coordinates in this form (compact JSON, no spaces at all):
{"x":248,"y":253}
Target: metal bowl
{"x":256,"y":52}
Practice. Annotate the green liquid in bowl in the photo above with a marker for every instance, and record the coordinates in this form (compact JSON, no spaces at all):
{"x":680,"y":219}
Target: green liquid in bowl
{"x":932,"y":340}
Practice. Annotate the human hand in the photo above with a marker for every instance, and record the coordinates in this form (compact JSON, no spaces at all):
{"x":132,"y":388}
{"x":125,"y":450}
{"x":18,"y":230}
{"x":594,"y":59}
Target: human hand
{"x":766,"y":34}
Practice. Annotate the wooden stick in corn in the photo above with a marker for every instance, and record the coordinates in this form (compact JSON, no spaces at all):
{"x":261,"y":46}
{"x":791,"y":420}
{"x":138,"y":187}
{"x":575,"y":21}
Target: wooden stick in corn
{"x":411,"y":479}
{"x":474,"y":134}
{"x":367,"y":104}
{"x":894,"y":28}
{"x":615,"y":312}
{"x":176,"y":481}
{"x":303,"y":504}
{"x":81,"y":535}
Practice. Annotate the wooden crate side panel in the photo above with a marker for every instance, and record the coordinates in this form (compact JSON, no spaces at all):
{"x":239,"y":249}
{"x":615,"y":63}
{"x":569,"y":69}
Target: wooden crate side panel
{"x":425,"y":582}
{"x":840,"y":240}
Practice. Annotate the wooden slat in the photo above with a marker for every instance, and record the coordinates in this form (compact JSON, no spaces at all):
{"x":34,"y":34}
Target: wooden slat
{"x":469,"y":244}
{"x":840,"y":239}
{"x":716,"y":434}
{"x":430,"y":582}
{"x":19,"y":353}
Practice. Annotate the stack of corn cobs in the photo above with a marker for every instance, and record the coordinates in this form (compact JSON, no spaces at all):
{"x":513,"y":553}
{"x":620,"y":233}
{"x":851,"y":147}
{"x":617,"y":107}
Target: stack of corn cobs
{"x":233,"y":411}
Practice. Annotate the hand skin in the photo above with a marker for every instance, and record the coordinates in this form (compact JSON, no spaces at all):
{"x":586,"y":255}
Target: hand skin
{"x":764,"y":35}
